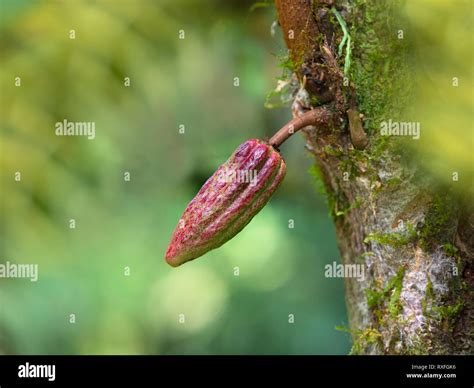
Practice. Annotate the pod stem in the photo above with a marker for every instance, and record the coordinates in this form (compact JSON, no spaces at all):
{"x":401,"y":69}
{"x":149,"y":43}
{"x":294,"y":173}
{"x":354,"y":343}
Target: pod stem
{"x":316,"y":116}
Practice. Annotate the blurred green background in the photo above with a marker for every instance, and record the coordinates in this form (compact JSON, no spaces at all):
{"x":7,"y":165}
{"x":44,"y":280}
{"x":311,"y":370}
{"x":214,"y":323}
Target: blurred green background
{"x":123,"y":224}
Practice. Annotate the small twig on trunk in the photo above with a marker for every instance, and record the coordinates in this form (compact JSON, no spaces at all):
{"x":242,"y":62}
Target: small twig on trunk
{"x":316,"y":116}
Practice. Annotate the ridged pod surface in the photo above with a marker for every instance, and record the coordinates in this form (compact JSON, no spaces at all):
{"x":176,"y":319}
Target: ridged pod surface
{"x":227,"y":202}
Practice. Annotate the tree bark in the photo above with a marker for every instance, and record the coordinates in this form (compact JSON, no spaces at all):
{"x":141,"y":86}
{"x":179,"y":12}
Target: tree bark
{"x":415,"y":243}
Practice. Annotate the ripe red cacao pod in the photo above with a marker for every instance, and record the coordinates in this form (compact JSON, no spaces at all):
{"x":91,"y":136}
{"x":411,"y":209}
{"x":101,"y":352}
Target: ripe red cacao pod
{"x":227,"y":202}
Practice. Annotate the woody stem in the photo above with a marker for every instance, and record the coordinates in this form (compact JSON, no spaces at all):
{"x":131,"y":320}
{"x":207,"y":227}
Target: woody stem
{"x":316,"y":116}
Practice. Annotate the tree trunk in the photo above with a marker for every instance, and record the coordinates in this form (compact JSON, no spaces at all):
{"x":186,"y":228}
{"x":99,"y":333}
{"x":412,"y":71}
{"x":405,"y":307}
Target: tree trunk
{"x":415,"y":243}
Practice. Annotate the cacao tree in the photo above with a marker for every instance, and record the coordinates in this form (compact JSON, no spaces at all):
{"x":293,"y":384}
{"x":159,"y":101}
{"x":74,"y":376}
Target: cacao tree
{"x":413,"y":235}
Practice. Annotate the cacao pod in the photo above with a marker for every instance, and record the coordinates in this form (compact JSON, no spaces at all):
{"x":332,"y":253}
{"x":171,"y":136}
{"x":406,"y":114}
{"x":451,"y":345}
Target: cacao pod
{"x":227,"y":202}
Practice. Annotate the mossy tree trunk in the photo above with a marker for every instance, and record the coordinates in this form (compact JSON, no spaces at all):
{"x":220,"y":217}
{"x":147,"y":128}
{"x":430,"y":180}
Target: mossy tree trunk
{"x":416,"y":243}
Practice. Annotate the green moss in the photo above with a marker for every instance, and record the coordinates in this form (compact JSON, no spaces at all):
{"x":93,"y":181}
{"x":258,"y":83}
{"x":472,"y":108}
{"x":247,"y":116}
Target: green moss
{"x":449,"y":312}
{"x":387,"y":299}
{"x":344,"y":211}
{"x":333,"y":151}
{"x":313,"y":101}
{"x":450,"y":250}
{"x":317,"y":180}
{"x":282,"y":95}
{"x":394,"y":306}
{"x":395,"y":239}
{"x":287,"y":65}
{"x":380,"y":65}
{"x":338,"y":205}
{"x":444,"y":315}
{"x":373,"y":297}
{"x":429,"y":295}
{"x":439,"y":225}
{"x":393,"y":182}
{"x":348,"y":165}
{"x":419,"y":347}
{"x":362,"y":339}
